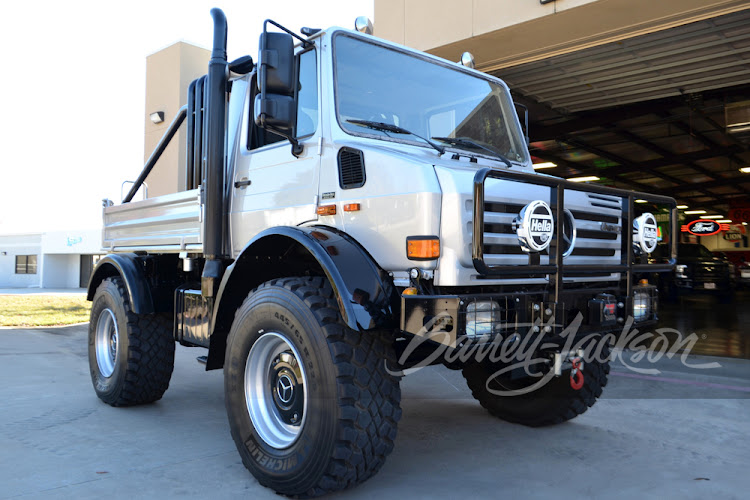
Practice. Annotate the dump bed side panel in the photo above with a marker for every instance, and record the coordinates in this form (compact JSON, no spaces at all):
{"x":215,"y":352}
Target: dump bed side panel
{"x":169,"y":223}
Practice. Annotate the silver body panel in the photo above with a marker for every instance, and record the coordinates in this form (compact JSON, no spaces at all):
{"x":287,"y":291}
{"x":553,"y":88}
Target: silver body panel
{"x":165,"y":224}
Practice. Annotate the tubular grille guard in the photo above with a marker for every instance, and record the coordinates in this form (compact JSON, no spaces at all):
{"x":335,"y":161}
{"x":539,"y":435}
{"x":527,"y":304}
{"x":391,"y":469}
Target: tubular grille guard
{"x":555,"y":269}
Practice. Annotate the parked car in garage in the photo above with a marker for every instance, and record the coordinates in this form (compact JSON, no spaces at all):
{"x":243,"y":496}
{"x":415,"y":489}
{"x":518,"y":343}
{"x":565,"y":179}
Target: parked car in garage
{"x":743,"y":274}
{"x":697,"y":271}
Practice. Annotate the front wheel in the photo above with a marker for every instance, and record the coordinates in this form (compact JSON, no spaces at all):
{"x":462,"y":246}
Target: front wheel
{"x":311,"y":406}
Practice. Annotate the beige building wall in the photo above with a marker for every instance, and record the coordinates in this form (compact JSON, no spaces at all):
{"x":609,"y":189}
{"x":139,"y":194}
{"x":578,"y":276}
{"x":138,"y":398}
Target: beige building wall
{"x":503,"y":33}
{"x":168,"y":74}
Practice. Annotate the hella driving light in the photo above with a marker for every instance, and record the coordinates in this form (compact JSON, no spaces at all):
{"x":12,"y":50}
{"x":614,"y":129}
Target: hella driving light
{"x":534,"y":227}
{"x":645,"y":233}
{"x":481,"y":317}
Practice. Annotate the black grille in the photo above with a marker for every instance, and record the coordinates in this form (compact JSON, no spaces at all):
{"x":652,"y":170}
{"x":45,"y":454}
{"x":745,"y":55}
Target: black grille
{"x":351,"y":168}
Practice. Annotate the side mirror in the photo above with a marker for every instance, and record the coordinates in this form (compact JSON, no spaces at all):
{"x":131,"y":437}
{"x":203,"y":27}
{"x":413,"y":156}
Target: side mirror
{"x":275,"y":112}
{"x":274,"y":105}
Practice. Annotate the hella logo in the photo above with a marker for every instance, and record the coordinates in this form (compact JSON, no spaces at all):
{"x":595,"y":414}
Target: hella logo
{"x":541,"y":225}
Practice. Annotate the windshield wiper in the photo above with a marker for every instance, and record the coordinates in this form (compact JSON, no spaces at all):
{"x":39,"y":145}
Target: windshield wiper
{"x":469,"y":143}
{"x":387,"y":127}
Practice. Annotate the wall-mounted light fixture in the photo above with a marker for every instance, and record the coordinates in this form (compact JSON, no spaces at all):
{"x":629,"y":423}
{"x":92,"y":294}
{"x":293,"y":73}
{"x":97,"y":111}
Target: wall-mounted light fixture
{"x":3,"y":253}
{"x":157,"y":116}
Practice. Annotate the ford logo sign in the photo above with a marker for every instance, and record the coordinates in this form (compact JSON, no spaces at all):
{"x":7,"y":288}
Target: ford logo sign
{"x":703,"y":227}
{"x":645,"y":233}
{"x":534,"y":226}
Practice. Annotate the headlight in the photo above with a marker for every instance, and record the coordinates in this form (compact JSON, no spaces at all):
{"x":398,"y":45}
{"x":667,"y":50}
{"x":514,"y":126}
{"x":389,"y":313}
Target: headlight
{"x":680,"y":271}
{"x":642,"y":306}
{"x":482,"y":318}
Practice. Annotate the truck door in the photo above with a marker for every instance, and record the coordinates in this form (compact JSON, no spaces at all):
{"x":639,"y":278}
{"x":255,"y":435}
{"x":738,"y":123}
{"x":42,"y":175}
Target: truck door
{"x":271,"y":186}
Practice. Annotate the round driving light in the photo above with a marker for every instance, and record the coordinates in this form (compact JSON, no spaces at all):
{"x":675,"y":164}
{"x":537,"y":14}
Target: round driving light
{"x":534,"y":226}
{"x":645,"y":233}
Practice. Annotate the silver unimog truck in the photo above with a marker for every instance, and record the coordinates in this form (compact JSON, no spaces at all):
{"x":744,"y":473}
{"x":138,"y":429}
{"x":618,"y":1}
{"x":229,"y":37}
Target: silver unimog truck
{"x":353,"y":209}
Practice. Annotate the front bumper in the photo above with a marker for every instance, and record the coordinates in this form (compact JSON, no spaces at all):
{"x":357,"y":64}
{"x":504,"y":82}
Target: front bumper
{"x":454,"y":320}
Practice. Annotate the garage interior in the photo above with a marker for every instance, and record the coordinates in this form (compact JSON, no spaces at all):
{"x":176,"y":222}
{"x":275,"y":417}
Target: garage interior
{"x":666,"y":112}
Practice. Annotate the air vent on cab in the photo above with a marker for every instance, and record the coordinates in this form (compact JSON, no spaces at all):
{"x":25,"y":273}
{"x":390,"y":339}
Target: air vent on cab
{"x":351,"y":168}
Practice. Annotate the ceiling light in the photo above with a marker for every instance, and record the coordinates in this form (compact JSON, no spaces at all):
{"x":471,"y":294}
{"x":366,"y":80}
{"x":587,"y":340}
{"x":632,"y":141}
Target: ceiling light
{"x":641,"y":201}
{"x":546,"y":164}
{"x":725,"y":221}
{"x":744,"y":223}
{"x":712,"y":216}
{"x":745,"y":170}
{"x":694,"y":212}
{"x":584,"y":179}
{"x":157,"y":116}
{"x":681,"y":207}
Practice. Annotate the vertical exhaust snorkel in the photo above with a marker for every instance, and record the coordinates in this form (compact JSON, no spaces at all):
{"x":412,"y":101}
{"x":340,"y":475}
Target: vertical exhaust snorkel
{"x":213,"y":182}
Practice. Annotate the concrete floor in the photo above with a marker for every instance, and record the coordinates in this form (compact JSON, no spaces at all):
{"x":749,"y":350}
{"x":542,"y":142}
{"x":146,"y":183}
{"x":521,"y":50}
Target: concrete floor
{"x":680,"y":434}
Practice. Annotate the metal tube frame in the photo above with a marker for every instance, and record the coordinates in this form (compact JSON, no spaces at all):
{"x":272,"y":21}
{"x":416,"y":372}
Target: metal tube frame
{"x":163,"y":143}
{"x":557,"y":200}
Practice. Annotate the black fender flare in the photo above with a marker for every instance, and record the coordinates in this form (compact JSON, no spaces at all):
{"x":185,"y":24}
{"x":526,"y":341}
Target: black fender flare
{"x":364,"y":292}
{"x":128,"y":267}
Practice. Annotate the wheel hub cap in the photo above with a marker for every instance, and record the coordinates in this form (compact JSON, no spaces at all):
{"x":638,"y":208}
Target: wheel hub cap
{"x":275,"y":390}
{"x":105,"y":342}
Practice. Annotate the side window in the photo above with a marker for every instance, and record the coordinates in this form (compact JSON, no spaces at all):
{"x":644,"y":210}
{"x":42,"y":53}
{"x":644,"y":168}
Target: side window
{"x":307,"y":94}
{"x":25,"y":264}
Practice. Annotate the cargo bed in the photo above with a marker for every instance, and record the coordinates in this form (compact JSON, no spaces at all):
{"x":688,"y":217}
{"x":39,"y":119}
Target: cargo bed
{"x":165,"y":224}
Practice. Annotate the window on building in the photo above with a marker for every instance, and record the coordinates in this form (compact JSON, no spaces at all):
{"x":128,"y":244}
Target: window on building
{"x":25,"y":264}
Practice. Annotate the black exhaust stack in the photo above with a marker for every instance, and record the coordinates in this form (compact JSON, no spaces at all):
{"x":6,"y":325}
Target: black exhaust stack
{"x":213,"y":182}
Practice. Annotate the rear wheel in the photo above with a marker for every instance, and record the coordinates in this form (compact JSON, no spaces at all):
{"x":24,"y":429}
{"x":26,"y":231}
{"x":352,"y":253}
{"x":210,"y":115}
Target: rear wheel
{"x":131,"y":356}
{"x":552,"y":403}
{"x":311,"y":406}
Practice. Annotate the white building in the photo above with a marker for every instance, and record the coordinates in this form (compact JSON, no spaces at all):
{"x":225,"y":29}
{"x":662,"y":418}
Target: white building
{"x":54,"y":259}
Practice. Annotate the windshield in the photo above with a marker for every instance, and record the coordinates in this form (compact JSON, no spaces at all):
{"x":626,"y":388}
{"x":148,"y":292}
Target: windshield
{"x":381,"y":84}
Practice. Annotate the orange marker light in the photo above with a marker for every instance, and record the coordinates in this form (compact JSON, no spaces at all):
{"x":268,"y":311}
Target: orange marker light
{"x":409,"y":291}
{"x":326,"y":210}
{"x":422,"y":247}
{"x":352,"y":207}
{"x":644,"y":282}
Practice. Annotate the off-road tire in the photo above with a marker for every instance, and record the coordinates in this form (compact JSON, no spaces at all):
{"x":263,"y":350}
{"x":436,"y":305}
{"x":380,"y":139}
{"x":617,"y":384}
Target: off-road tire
{"x":553,"y":403}
{"x":353,"y":402}
{"x":144,"y":359}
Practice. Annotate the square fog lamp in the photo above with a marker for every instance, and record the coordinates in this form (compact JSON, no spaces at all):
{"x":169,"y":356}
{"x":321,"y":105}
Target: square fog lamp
{"x":482,"y":318}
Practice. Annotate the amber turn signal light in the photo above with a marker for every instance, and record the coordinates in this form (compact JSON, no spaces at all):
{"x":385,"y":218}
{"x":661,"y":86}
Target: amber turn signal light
{"x":352,"y":207}
{"x":422,"y":247}
{"x":409,"y":291}
{"x":326,"y":210}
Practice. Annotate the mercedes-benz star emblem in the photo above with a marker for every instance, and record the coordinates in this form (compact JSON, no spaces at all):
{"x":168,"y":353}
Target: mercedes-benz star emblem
{"x":285,"y":388}
{"x":569,"y":233}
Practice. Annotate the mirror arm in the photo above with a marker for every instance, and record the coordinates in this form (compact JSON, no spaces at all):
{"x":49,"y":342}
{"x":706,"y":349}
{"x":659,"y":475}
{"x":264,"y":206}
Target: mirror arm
{"x":305,"y":43}
{"x":297,"y":148}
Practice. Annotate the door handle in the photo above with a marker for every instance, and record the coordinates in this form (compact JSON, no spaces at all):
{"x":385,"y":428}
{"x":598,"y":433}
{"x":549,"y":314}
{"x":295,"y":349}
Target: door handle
{"x":243,"y":183}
